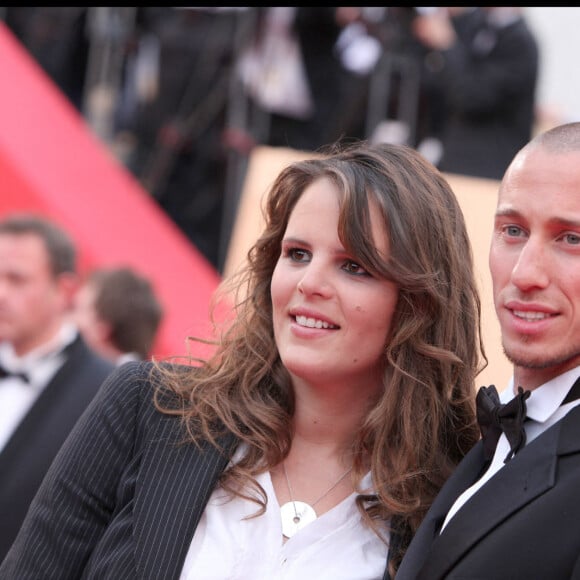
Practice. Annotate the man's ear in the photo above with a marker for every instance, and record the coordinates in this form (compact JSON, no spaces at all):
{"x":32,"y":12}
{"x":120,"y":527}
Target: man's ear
{"x":102,"y":330}
{"x":68,"y":283}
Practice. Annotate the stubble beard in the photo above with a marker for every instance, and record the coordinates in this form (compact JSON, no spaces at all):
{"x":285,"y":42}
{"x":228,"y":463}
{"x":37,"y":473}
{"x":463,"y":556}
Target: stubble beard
{"x":542,"y":361}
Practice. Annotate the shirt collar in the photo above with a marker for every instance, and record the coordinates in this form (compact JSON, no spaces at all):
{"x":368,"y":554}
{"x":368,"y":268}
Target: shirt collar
{"x":546,"y":399}
{"x":65,"y":336}
{"x":127,"y":357}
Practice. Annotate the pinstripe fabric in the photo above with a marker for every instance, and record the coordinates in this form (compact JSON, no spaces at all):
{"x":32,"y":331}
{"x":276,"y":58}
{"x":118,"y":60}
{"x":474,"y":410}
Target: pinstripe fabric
{"x":122,"y":498}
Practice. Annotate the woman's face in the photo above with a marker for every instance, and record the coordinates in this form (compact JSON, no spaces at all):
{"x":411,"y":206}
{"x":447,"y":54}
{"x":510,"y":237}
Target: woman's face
{"x":332,"y":319}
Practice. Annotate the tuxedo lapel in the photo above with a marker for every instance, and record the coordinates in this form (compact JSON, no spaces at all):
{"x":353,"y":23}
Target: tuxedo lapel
{"x":529,"y":474}
{"x":569,"y":441}
{"x":464,"y":475}
{"x":172,"y":491}
{"x":50,"y":397}
{"x":65,"y":396}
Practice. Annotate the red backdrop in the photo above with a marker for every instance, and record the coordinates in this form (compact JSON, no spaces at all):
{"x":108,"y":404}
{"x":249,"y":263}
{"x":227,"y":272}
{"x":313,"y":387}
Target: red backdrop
{"x":51,"y":163}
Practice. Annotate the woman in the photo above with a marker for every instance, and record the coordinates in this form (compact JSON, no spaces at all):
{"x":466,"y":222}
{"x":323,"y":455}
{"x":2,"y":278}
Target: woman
{"x":337,"y":403}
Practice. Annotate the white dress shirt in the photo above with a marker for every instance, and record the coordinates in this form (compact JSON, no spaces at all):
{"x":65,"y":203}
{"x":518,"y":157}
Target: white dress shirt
{"x":336,"y":545}
{"x":544,"y":408}
{"x":127,"y":357}
{"x":16,"y":395}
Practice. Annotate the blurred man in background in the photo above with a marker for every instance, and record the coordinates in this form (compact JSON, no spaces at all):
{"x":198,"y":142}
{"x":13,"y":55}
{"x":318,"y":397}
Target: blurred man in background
{"x":48,"y":375}
{"x":118,"y":314}
{"x":481,"y":71}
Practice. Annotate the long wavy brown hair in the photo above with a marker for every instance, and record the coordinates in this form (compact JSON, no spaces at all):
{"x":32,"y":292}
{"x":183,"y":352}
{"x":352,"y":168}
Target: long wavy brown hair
{"x":424,"y":421}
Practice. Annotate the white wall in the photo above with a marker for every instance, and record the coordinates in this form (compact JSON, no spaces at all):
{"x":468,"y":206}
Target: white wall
{"x":558,"y":32}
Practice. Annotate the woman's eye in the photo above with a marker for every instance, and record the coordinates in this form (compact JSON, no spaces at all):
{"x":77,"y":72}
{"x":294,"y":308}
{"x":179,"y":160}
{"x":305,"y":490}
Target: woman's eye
{"x":354,"y":268}
{"x":298,"y":255}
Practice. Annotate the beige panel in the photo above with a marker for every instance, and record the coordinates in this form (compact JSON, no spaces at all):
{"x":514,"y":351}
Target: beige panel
{"x":264,"y":166}
{"x":478,"y":200}
{"x":476,"y":196}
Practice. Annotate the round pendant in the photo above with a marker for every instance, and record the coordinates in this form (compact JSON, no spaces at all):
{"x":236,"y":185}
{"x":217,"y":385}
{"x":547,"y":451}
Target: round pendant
{"x":296,"y":515}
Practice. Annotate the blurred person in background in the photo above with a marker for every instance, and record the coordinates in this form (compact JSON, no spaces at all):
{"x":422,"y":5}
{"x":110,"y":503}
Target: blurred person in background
{"x":118,"y":313}
{"x":56,"y":37}
{"x":292,"y":70}
{"x":481,"y":70}
{"x":48,"y":375}
{"x":179,"y":154}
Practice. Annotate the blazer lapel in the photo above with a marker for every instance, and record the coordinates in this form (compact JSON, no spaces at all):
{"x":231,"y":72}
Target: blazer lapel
{"x":172,"y":492}
{"x":529,"y":474}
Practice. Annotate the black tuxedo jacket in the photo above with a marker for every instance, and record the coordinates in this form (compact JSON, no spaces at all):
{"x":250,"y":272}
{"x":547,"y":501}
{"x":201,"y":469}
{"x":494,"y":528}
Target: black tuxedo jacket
{"x":31,"y":449}
{"x":524,"y":523}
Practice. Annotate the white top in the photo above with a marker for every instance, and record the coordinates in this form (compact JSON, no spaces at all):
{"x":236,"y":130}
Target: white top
{"x":18,"y":396}
{"x":544,"y":408}
{"x":336,"y":545}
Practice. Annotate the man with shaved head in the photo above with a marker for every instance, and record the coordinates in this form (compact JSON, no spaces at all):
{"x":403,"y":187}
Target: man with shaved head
{"x":511,"y":508}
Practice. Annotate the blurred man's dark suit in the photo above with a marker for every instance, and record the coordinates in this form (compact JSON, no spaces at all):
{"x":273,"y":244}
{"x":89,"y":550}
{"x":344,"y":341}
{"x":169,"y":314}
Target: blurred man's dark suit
{"x":32,"y":447}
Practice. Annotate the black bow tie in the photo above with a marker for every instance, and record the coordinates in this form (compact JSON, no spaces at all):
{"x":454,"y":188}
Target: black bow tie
{"x":4,"y":374}
{"x":495,"y":418}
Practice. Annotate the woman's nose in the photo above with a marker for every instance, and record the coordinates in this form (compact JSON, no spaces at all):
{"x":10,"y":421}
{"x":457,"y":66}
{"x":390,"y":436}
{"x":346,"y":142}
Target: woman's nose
{"x":315,"y":281}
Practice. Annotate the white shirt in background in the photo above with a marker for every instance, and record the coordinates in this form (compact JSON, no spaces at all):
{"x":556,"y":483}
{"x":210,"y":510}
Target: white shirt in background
{"x":16,"y":395}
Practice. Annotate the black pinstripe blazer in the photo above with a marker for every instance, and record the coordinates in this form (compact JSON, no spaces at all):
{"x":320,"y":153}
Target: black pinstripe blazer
{"x":122,"y":498}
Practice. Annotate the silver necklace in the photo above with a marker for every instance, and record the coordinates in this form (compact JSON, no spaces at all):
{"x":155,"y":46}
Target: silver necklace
{"x":298,"y":514}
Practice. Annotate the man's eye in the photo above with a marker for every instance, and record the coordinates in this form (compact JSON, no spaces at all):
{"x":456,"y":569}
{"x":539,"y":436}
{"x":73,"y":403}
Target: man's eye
{"x":513,"y":231}
{"x":572,"y":238}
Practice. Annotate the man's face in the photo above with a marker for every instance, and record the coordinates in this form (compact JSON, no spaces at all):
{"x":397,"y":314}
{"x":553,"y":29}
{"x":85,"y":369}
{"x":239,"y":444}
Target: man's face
{"x":535,"y":264}
{"x":32,"y":300}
